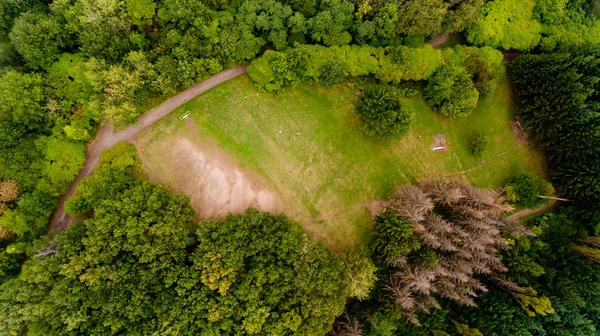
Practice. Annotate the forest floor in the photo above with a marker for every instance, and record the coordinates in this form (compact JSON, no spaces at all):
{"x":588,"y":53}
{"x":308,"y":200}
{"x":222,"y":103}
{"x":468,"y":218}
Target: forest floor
{"x":307,"y":156}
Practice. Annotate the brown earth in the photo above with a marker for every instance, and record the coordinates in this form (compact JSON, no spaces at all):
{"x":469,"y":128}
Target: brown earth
{"x":208,"y":175}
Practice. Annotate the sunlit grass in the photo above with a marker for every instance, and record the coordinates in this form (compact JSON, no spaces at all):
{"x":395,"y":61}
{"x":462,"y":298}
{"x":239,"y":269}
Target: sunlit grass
{"x":329,"y":173}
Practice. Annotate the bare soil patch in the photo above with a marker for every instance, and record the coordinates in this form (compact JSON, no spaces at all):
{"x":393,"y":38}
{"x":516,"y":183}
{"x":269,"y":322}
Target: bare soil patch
{"x":210,"y":177}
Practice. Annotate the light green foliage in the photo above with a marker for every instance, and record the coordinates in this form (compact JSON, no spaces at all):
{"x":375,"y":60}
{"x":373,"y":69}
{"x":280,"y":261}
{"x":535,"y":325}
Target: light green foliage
{"x":383,"y":113}
{"x":115,"y":92}
{"x":524,"y":190}
{"x":142,"y":11}
{"x":39,"y":38}
{"x":451,"y":92}
{"x":532,"y":304}
{"x":63,"y":159}
{"x":391,"y":64}
{"x":359,"y":273}
{"x":465,"y":330}
{"x":68,"y":83}
{"x":506,"y":23}
{"x":410,"y":63}
{"x":22,"y":99}
{"x":273,"y":71}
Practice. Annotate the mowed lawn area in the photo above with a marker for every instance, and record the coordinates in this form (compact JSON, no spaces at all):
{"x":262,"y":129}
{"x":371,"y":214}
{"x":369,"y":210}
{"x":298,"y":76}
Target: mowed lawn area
{"x":329,"y":174}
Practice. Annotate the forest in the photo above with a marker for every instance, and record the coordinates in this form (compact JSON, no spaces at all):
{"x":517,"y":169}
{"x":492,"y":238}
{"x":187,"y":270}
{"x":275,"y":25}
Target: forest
{"x":442,"y":258}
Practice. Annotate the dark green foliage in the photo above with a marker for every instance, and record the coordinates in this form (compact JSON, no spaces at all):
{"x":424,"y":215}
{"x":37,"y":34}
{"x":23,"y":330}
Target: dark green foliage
{"x":382,"y":112}
{"x":478,"y":143}
{"x":482,"y":74}
{"x":332,"y":73}
{"x":524,"y":190}
{"x":131,"y":267}
{"x":570,"y":281}
{"x":330,"y":25}
{"x":11,"y":9}
{"x":421,"y":17}
{"x":559,"y":104}
{"x":235,"y":252}
{"x":451,"y":92}
{"x":113,"y":176}
{"x":394,"y":237}
{"x":39,"y":38}
{"x":9,"y":265}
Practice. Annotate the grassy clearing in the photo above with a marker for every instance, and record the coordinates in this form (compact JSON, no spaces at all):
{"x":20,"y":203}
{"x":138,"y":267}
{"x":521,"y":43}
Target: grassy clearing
{"x":329,"y":175}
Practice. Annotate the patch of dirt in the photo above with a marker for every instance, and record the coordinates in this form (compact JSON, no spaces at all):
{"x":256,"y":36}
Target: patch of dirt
{"x":210,"y":177}
{"x":517,"y":128}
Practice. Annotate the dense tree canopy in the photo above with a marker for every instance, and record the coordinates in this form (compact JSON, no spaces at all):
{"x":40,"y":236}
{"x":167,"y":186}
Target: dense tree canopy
{"x":559,"y":104}
{"x":39,"y":38}
{"x":452,"y":92}
{"x":382,"y":112}
{"x":136,"y":264}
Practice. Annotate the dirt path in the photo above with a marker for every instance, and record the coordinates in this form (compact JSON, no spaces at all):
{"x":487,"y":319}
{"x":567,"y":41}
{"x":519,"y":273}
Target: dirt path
{"x":484,"y":161}
{"x":526,"y":212}
{"x":107,"y":137}
{"x":438,"y":41}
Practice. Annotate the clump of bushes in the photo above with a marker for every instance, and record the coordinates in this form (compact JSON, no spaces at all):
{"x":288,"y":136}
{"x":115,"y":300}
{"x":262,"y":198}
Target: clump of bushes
{"x":478,"y":143}
{"x":332,"y":73}
{"x":524,"y":190}
{"x":451,"y":92}
{"x":383,"y":113}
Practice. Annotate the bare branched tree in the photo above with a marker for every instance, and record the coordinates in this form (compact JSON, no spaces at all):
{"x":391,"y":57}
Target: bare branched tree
{"x":463,"y":225}
{"x":347,"y":326}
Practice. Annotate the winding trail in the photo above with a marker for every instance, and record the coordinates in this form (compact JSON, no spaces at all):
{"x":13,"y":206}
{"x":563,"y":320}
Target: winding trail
{"x":107,"y":137}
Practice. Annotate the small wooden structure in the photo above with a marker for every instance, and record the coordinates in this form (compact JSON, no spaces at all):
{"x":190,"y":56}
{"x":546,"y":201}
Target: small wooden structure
{"x":439,"y":143}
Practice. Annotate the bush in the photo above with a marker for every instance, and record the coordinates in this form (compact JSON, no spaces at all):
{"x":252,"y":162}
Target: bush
{"x":525,"y":188}
{"x":332,"y":73}
{"x":483,"y":76}
{"x":451,"y":92}
{"x":382,"y":112}
{"x":478,"y":143}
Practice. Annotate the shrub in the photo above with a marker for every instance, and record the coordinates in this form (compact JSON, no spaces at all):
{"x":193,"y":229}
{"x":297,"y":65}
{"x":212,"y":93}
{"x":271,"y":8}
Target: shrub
{"x":451,"y":92}
{"x":332,"y":73}
{"x":382,"y":112}
{"x":483,"y":76}
{"x":478,"y":143}
{"x":524,"y":190}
